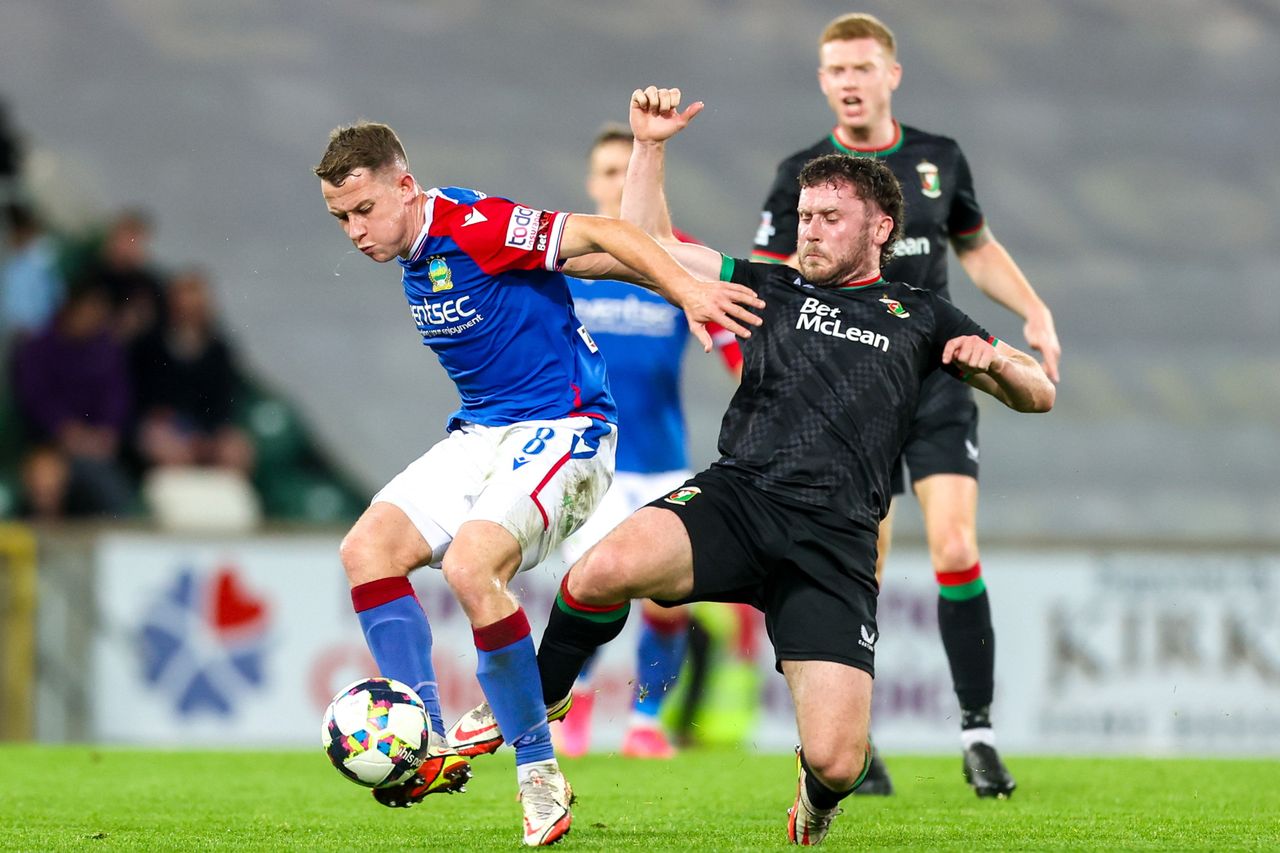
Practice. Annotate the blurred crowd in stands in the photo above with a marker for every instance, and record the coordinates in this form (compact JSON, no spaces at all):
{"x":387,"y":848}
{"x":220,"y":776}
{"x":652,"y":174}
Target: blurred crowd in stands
{"x":116,"y":369}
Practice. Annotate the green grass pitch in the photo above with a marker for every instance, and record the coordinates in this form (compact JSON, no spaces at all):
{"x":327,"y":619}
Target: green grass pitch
{"x":89,"y":799}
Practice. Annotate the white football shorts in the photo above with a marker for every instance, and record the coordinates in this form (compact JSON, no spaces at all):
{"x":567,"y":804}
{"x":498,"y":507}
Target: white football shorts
{"x":538,"y":479}
{"x":629,"y":492}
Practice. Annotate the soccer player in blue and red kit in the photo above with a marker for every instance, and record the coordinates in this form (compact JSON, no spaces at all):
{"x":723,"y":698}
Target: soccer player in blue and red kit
{"x":527,"y":456}
{"x":644,"y":342}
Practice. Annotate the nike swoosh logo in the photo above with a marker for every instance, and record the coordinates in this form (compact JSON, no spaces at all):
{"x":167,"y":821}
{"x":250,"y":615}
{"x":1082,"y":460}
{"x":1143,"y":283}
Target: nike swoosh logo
{"x":464,"y":734}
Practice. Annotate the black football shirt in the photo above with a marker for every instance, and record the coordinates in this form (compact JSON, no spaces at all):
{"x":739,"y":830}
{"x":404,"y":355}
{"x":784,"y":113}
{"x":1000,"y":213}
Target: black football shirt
{"x":829,"y":386}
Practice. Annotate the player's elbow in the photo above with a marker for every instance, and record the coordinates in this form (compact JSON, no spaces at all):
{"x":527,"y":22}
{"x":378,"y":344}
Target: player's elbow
{"x":1038,"y":398}
{"x":1049,"y":397}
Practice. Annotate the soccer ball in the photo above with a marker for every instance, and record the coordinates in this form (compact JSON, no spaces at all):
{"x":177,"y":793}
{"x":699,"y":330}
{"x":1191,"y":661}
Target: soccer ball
{"x":375,"y":731}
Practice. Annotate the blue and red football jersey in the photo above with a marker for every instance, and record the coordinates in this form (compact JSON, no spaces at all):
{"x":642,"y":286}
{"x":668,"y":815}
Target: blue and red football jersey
{"x":483,"y":285}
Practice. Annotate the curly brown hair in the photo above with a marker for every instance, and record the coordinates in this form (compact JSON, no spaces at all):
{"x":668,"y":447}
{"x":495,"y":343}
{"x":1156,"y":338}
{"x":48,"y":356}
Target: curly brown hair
{"x":870,"y":178}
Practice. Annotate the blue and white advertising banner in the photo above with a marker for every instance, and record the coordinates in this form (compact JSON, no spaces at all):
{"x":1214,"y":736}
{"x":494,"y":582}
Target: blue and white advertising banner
{"x":245,"y":642}
{"x":205,"y":641}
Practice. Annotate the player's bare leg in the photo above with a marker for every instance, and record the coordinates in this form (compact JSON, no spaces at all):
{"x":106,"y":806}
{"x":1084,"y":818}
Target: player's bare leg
{"x":479,"y":564}
{"x":877,"y":782}
{"x":647,"y":556}
{"x":377,"y":554}
{"x":382,"y":543}
{"x":949,"y":503}
{"x":833,"y":711}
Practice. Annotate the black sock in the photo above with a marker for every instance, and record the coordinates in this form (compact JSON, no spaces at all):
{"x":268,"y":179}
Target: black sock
{"x":574,"y":632}
{"x":975,"y":718}
{"x":970,"y":643}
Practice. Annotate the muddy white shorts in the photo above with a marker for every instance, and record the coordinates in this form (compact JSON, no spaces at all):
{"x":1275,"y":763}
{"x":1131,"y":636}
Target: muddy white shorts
{"x":629,"y":492}
{"x":538,"y":479}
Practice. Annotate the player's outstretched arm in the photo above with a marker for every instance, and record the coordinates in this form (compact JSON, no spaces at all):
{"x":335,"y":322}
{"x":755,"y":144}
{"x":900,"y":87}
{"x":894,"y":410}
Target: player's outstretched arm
{"x":721,"y":302}
{"x":655,"y":117}
{"x":1006,"y":373}
{"x":998,"y":276}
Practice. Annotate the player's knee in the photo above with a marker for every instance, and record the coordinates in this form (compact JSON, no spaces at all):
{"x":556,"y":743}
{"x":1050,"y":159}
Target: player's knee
{"x":954,"y":551}
{"x":598,"y":578}
{"x":368,"y":554}
{"x":362,"y":556}
{"x":469,"y":585}
{"x":837,"y":766}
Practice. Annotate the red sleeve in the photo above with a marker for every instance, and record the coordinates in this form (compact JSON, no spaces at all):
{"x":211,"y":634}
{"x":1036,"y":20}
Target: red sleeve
{"x":727,"y":345}
{"x":686,"y":237}
{"x":501,"y":235}
{"x":725,"y":342}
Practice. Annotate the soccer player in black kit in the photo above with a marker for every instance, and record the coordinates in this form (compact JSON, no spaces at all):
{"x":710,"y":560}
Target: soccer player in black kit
{"x":787,"y":519}
{"x":858,"y":73}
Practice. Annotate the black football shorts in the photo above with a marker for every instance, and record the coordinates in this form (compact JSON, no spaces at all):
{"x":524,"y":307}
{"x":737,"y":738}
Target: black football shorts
{"x":811,"y":571}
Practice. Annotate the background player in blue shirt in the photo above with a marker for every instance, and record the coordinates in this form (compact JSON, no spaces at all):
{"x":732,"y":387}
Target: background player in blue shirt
{"x":528,"y":454}
{"x":643,"y":340}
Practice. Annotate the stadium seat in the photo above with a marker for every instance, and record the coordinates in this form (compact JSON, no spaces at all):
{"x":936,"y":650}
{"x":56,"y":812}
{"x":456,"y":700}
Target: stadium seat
{"x":201,"y":500}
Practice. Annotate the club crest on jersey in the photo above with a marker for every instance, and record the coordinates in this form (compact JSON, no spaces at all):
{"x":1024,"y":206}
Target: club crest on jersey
{"x":895,"y":307}
{"x":680,"y":497}
{"x":930,"y":185}
{"x":440,"y":274}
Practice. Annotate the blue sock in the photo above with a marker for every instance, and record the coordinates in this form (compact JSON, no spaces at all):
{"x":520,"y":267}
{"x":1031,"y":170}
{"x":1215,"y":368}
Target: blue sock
{"x":659,"y":656}
{"x":399,"y":636}
{"x":508,"y":673}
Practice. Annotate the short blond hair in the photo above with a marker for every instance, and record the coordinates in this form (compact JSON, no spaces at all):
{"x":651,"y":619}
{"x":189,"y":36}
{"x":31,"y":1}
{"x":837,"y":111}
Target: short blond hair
{"x":859,"y":25}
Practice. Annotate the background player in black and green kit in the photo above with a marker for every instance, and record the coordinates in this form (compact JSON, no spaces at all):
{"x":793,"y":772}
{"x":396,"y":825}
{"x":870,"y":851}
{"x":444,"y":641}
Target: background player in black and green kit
{"x":787,"y":519}
{"x":858,"y":73}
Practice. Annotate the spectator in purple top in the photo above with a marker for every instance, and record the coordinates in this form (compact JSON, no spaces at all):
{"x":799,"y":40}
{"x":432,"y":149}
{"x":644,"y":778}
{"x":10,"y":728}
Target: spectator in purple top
{"x":72,"y":390}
